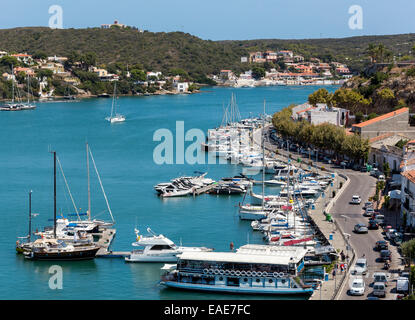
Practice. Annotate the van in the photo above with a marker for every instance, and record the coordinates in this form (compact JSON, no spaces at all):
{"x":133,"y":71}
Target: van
{"x":379,"y":289}
{"x":402,"y":285}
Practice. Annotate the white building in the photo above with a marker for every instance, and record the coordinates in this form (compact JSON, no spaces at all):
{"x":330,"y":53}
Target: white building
{"x":180,"y":86}
{"x":408,"y":184}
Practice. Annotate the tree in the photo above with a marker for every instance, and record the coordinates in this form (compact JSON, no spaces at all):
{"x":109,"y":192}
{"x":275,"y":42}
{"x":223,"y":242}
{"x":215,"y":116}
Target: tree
{"x":138,"y":75}
{"x":258,"y":72}
{"x":320,"y":96}
{"x":350,"y":99}
{"x":9,"y":61}
{"x":386,"y":169}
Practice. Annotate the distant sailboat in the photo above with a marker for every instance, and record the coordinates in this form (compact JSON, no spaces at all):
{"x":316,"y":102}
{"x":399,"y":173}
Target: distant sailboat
{"x":28,"y":105}
{"x":12,"y":106}
{"x":114,"y":117}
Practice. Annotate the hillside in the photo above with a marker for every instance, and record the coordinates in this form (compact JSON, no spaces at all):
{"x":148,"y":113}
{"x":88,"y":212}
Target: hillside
{"x":166,"y":51}
{"x":387,"y":89}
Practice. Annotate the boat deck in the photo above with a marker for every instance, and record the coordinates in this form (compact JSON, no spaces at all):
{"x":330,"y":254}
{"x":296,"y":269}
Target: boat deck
{"x":204,"y":189}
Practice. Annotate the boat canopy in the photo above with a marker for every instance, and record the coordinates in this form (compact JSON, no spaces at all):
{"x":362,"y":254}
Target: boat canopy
{"x":239,"y":257}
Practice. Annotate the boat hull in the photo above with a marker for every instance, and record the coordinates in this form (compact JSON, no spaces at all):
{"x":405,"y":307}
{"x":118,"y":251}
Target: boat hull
{"x":63,"y":256}
{"x":238,"y":290}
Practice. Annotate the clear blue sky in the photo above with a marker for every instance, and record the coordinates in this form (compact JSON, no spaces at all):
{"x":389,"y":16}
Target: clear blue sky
{"x":222,"y":19}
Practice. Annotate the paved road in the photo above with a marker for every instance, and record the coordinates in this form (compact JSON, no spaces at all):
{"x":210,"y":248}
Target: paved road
{"x":348,"y":215}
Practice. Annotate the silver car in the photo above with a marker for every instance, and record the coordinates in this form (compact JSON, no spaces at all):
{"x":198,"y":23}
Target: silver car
{"x":360,"y":228}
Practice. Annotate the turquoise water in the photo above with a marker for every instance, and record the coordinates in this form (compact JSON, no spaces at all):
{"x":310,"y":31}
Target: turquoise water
{"x":124,"y":157}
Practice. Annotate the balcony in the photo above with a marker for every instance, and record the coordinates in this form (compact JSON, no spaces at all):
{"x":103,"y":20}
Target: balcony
{"x":408,"y":192}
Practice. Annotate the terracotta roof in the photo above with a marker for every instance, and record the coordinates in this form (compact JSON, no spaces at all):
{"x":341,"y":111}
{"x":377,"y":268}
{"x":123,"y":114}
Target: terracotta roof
{"x":410,"y":175}
{"x":382,"y":117}
{"x":381,"y":137}
{"x":309,"y":108}
{"x":411,"y":142}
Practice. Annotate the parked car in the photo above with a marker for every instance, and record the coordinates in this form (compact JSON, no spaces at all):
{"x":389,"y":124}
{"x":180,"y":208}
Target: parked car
{"x":357,"y":287}
{"x":381,"y":245}
{"x":379,"y":289}
{"x":380,"y":277}
{"x":390,"y":234}
{"x":374,"y":172}
{"x":397,"y":240}
{"x":369,"y":212}
{"x":373,"y":225}
{"x":380,"y":219}
{"x":385,"y":255}
{"x":356,"y":199}
{"x":368,"y":204}
{"x":360,"y":228}
{"x":360,"y":266}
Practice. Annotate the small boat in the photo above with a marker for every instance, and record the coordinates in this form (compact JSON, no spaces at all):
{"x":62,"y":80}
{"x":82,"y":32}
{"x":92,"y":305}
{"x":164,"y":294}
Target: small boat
{"x":158,"y":248}
{"x":115,"y":117}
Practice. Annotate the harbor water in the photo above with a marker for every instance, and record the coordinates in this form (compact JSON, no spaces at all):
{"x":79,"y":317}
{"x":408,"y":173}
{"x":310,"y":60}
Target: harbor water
{"x":124,"y":157}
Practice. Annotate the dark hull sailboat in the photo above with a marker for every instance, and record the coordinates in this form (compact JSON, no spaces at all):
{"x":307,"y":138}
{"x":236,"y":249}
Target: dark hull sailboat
{"x":57,"y":255}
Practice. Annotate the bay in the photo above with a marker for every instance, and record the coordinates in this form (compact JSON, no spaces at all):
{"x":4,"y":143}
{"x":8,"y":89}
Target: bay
{"x":124,"y":156}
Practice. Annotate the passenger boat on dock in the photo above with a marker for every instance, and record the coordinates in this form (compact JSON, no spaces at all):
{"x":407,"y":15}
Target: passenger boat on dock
{"x":251,"y":270}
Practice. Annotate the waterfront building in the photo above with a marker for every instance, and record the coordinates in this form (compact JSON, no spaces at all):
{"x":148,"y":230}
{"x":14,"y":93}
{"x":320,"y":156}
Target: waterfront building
{"x":26,"y":71}
{"x":383,"y":150}
{"x":392,"y":122}
{"x":2,"y":54}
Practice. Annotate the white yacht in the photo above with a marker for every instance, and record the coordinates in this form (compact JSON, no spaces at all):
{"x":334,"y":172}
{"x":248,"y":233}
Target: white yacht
{"x":158,"y":248}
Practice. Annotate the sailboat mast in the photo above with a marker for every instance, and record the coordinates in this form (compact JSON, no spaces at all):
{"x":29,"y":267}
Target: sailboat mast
{"x":12,"y":84}
{"x":54,"y":194}
{"x":263,"y":159}
{"x":30,"y":215}
{"x":89,"y":182}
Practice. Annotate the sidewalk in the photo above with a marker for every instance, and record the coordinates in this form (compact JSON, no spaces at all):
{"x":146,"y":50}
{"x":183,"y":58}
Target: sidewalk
{"x":329,"y":289}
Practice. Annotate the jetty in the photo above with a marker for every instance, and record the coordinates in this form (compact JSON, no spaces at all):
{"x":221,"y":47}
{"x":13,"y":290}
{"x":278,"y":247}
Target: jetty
{"x":204,"y":189}
{"x":106,"y":236}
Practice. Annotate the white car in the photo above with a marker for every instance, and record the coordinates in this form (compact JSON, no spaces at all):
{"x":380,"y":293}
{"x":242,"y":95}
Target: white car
{"x":356,"y":199}
{"x":360,"y":266}
{"x":357,"y":287}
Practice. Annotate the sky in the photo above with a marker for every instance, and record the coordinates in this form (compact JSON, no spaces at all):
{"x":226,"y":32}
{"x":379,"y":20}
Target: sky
{"x":223,"y":19}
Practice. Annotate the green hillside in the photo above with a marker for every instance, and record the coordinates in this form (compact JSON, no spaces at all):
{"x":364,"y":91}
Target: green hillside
{"x":166,"y":51}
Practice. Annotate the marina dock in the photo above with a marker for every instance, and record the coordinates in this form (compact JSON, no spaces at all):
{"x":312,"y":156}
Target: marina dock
{"x":105,"y":240}
{"x":204,"y":189}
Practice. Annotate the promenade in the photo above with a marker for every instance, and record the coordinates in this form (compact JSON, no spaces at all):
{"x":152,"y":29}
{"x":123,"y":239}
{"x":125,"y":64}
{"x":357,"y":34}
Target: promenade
{"x":329,"y":289}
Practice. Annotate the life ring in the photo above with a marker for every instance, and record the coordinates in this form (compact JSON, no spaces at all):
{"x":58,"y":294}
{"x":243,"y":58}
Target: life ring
{"x":232,"y":272}
{"x":264,"y":274}
{"x":205,"y":271}
{"x":210,"y":271}
{"x":222,"y":272}
{"x":216,"y":271}
{"x":281,"y":274}
{"x":254,"y":273}
{"x":275,"y":274}
{"x":228,"y":272}
{"x":249,"y":273}
{"x":238,"y":273}
{"x":243,"y":273}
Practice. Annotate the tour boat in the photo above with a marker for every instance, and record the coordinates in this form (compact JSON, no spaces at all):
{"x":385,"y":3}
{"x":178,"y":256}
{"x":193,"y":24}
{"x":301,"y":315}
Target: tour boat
{"x":158,"y":248}
{"x":253,"y":269}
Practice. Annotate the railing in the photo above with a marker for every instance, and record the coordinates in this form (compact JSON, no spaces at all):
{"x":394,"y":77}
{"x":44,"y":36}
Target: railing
{"x":408,"y":192}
